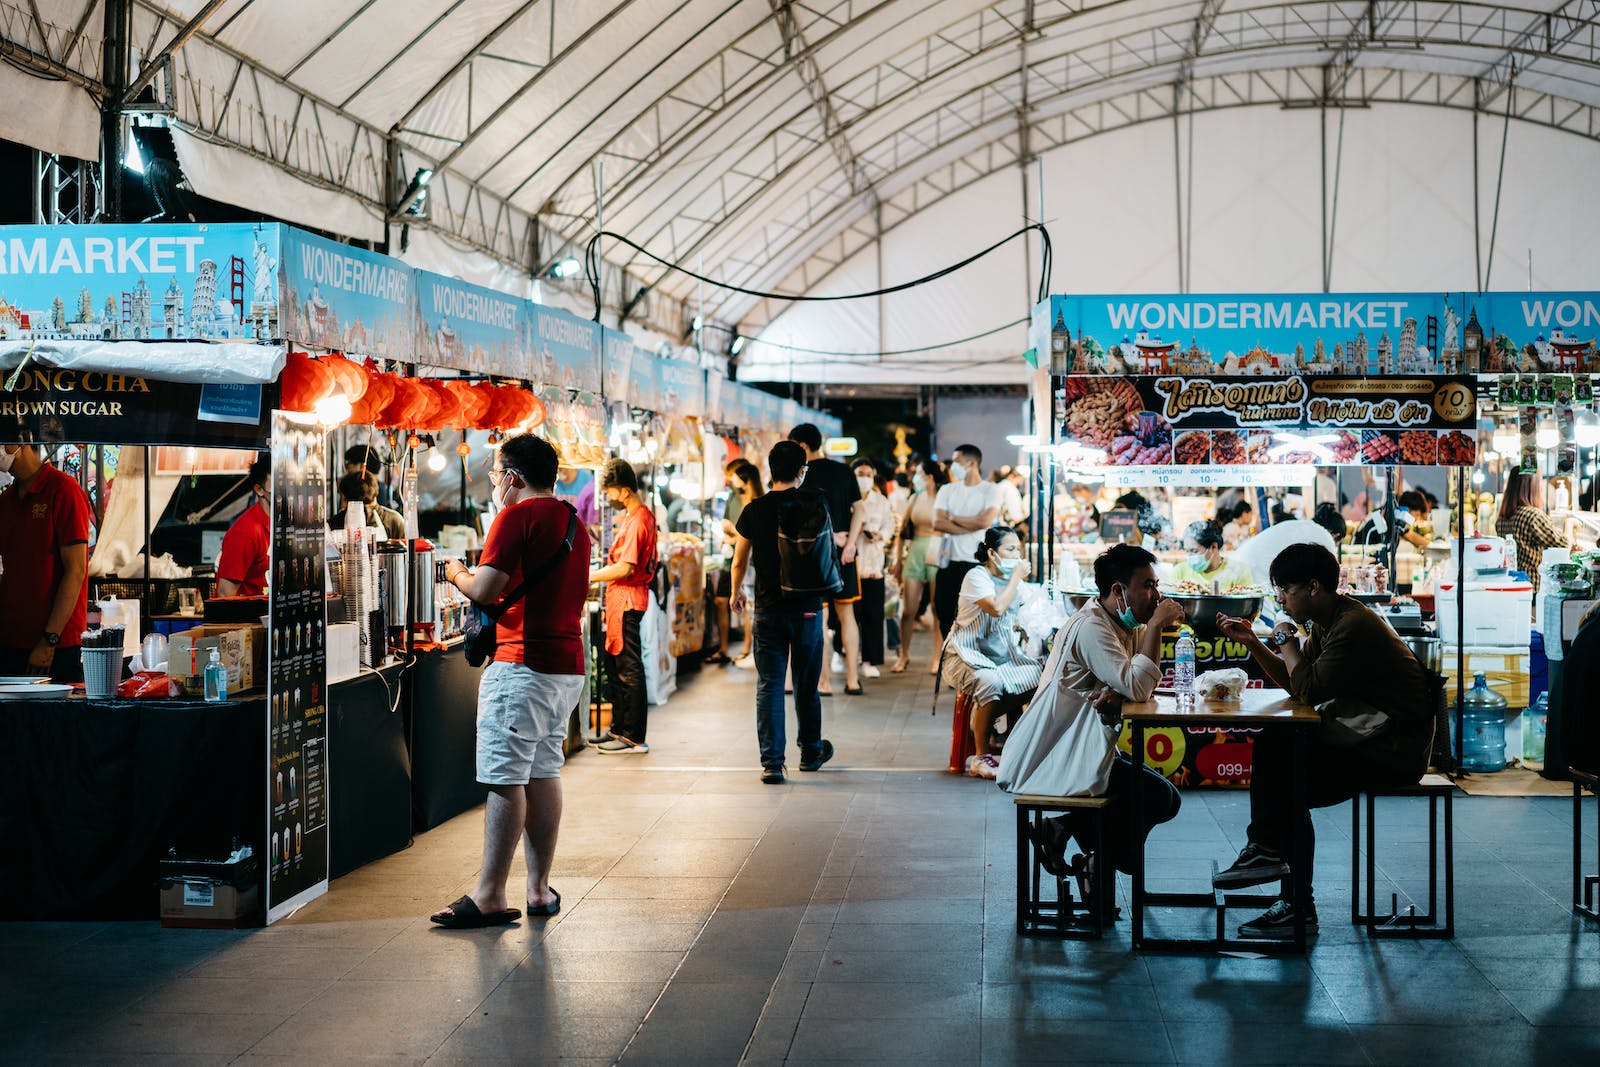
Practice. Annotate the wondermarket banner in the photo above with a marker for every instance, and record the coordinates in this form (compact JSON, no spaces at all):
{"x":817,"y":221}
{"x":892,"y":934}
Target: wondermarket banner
{"x":472,"y":328}
{"x":1362,"y":334}
{"x":1214,"y":420}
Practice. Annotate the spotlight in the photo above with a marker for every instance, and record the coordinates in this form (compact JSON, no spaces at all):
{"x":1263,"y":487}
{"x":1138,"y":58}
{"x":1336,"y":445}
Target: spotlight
{"x":414,"y":201}
{"x":565,"y":267}
{"x":698,"y":323}
{"x":738,"y":343}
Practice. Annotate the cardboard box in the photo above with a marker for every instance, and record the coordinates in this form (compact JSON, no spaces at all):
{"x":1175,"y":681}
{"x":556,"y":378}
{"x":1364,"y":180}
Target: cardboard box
{"x":1506,"y":669}
{"x":197,"y":903}
{"x":242,"y":648}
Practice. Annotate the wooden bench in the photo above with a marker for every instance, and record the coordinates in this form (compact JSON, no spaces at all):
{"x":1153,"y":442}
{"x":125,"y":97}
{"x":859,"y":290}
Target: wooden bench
{"x":1405,"y":923}
{"x":1064,"y":916}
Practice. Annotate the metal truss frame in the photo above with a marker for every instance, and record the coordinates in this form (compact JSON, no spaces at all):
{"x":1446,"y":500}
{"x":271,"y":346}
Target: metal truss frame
{"x":65,"y":191}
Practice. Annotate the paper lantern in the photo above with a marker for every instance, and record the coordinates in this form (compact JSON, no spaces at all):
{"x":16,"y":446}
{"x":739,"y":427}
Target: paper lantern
{"x":377,"y":395}
{"x":468,"y":405}
{"x":305,"y":382}
{"x":349,"y":375}
{"x":447,"y":410}
{"x":485,"y":394}
{"x":536,"y":414}
{"x":408,"y":401}
{"x":433,"y":404}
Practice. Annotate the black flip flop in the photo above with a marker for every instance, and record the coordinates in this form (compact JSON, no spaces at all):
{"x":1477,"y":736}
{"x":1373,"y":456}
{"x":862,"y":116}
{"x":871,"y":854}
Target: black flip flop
{"x":464,"y":915}
{"x":544,"y":911}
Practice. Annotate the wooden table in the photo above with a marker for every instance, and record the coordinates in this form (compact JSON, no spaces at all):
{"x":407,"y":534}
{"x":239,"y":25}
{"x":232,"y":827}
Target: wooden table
{"x":1255,"y":709}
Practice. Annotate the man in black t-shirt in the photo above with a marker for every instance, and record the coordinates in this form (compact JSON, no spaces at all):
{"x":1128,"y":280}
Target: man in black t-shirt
{"x":786,"y":628}
{"x":837,"y":484}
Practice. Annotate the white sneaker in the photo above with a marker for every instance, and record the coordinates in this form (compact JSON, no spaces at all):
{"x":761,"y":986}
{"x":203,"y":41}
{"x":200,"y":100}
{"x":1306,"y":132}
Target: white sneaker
{"x":869,"y":671}
{"x":838,"y":663}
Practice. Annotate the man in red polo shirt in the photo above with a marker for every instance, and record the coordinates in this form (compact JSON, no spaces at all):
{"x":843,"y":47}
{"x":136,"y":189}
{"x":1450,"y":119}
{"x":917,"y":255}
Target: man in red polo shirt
{"x":629,"y":570}
{"x":44,"y":548}
{"x":247,"y":546}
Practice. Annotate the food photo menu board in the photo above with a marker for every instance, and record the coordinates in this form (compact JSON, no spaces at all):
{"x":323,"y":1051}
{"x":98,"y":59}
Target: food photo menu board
{"x":297,"y":739}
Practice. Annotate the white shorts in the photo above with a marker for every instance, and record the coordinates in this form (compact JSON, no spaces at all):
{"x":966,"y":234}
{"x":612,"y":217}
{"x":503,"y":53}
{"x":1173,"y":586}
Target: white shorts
{"x":522,"y":723}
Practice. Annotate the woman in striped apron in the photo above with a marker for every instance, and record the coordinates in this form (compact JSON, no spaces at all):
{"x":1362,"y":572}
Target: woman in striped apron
{"x":983,"y":656}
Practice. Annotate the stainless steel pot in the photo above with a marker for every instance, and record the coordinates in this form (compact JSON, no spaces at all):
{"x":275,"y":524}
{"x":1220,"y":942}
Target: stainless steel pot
{"x":1426,"y":649}
{"x":393,"y":579}
{"x":424,"y":584}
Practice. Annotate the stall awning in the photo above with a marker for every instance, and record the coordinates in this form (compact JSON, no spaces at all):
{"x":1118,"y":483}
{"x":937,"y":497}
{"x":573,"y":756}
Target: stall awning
{"x":223,"y":363}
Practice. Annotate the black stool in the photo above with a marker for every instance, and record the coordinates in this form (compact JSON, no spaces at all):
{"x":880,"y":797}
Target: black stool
{"x":1585,"y":887}
{"x":1406,"y":923}
{"x":1063,"y":916}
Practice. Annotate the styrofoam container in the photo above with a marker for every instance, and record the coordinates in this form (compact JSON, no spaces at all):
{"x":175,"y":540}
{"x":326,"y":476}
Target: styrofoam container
{"x":344,"y":651}
{"x":1498,"y":613}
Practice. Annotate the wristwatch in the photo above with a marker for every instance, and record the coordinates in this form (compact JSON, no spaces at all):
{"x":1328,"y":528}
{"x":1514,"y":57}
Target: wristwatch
{"x":52,"y":639}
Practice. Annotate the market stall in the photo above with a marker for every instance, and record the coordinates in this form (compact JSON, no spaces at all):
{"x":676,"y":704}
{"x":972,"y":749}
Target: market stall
{"x":1259,"y":398}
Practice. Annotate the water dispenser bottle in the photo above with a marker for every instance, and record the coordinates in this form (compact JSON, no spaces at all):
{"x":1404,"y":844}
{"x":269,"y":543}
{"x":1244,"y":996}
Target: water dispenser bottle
{"x":1483,"y":728}
{"x":1535,"y":720}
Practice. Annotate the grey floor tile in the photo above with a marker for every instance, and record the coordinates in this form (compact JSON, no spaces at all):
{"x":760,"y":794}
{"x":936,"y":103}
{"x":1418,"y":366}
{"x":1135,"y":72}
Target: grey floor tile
{"x":884,"y":1041}
{"x":705,"y":1023}
{"x":1248,"y":1041}
{"x":1074,"y":1041}
{"x":953,"y":1001}
{"x":160,"y":1033}
{"x":860,"y":965}
{"x":541,"y":1022}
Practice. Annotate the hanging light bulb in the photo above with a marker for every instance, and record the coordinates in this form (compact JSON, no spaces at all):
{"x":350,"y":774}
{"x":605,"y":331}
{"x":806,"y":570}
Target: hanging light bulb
{"x":1587,"y":432}
{"x":333,"y":410}
{"x":1505,"y":441}
{"x":436,"y":460}
{"x":1477,"y":477}
{"x":1547,"y":437}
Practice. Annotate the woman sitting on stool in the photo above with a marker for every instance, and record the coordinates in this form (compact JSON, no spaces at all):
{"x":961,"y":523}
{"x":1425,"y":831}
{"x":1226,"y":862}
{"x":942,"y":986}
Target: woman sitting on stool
{"x":982,"y":656}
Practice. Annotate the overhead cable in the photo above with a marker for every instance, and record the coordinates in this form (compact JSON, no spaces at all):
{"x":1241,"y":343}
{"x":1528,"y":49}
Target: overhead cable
{"x":893,"y":352}
{"x":592,"y":270}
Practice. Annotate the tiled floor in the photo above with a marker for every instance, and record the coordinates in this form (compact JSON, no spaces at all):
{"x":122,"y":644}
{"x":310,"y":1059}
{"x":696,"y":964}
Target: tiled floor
{"x":860,"y":914}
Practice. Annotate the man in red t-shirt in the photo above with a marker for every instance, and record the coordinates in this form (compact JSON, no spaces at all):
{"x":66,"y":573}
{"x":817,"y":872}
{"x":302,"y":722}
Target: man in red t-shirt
{"x":630,"y":568}
{"x":247,"y":546}
{"x":44,"y":549}
{"x":528,"y":693}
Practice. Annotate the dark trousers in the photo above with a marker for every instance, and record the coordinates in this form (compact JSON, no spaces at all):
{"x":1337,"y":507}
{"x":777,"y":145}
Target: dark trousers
{"x":869,"y":620}
{"x":630,"y":704}
{"x":947,"y":592}
{"x":1333,"y":775}
{"x":1159,"y":802}
{"x":779,"y":636}
{"x":65,"y":669}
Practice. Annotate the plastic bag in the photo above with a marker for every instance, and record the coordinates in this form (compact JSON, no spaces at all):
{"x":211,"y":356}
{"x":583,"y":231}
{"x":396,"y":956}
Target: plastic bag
{"x":1224,"y":684}
{"x":1039,"y":616}
{"x":1059,"y":747}
{"x":148,"y":685}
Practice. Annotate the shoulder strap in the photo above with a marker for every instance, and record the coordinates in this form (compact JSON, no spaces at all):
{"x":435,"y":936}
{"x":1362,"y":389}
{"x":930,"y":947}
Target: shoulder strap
{"x":544,"y":569}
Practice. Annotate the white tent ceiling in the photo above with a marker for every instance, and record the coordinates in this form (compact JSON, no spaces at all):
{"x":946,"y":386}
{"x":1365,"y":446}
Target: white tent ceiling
{"x":793,"y":146}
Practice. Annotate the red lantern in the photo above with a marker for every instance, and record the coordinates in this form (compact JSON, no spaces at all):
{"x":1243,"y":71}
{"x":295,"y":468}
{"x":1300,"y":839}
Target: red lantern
{"x":351,"y":379}
{"x":377,"y":395}
{"x":536,"y":414}
{"x":305,"y":382}
{"x":433,"y":397}
{"x":484,"y":392}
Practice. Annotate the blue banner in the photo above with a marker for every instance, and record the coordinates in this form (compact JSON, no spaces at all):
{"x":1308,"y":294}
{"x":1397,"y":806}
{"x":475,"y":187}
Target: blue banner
{"x":567,"y":349}
{"x":347,"y":299}
{"x":139,"y":283}
{"x":643,"y":388}
{"x":681,"y":388}
{"x":617,"y":364}
{"x":1534,"y":332}
{"x":472,"y":328}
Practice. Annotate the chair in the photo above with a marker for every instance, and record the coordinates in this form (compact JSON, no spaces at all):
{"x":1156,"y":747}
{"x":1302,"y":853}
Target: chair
{"x":1397,"y":922}
{"x":1062,"y":916}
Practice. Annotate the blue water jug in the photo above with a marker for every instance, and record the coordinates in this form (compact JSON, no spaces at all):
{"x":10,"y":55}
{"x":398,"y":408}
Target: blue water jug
{"x":1483,"y":728}
{"x":1535,"y":720}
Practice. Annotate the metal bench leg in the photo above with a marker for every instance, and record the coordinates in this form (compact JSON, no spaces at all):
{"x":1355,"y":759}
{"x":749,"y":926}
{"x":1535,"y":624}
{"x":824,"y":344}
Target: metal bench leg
{"x":1024,"y":855}
{"x":1433,"y":858}
{"x":1355,"y":860}
{"x":1449,"y":867}
{"x":1372,"y":863}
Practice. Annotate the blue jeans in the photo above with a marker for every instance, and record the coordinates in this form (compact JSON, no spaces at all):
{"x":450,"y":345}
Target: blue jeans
{"x":779,"y":636}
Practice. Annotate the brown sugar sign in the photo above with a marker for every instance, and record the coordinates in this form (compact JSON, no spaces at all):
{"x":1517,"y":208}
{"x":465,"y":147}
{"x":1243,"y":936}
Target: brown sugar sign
{"x":53,"y":405}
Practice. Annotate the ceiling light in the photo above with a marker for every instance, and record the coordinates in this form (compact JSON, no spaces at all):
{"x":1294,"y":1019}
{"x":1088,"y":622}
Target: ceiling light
{"x":565,"y":267}
{"x":414,"y":201}
{"x":1547,"y":437}
{"x":738,"y":343}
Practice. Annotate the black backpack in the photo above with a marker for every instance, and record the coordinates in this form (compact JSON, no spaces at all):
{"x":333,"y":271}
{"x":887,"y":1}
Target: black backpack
{"x":807,"y":563}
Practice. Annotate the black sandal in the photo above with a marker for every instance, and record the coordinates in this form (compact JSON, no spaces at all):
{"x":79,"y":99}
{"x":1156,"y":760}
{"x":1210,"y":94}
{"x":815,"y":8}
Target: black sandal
{"x":544,"y":911}
{"x":463,"y":914}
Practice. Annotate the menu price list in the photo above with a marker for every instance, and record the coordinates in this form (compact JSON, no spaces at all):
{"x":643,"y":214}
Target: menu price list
{"x":297,"y":828}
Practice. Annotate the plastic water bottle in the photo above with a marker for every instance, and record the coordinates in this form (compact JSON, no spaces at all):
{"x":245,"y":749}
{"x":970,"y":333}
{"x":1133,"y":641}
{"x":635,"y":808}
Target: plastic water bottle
{"x":216,"y":678}
{"x":1183,"y":663}
{"x":1533,"y":728}
{"x":1483,"y":728}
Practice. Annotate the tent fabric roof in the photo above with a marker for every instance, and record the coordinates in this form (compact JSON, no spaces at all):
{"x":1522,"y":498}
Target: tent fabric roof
{"x":773,"y":140}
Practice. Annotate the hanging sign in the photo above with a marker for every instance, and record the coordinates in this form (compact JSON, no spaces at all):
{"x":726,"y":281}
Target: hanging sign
{"x":472,"y":328}
{"x":681,"y":388}
{"x":617,"y":364}
{"x":347,"y":299}
{"x":297,"y":674}
{"x":230,"y":403}
{"x":139,"y":283}
{"x":566,"y":350}
{"x":52,"y":406}
{"x":643,"y":387}
{"x":1217,"y":421}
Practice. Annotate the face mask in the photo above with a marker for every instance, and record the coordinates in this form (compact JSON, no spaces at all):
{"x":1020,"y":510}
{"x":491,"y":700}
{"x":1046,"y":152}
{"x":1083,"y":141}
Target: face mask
{"x":919,"y":483}
{"x":1199,"y":562}
{"x":1125,"y":616}
{"x":865,"y":485}
{"x":958,"y":472}
{"x":618,"y":503}
{"x":6,"y":459}
{"x":1007,"y":565}
{"x":499,"y":496}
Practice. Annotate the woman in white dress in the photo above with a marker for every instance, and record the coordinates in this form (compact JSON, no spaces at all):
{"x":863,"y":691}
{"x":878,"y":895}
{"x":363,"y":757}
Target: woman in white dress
{"x":984,"y":657}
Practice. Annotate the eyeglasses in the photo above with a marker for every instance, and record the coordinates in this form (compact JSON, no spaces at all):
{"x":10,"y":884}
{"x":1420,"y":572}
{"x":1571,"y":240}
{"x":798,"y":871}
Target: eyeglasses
{"x":1278,"y":591}
{"x":497,"y":474}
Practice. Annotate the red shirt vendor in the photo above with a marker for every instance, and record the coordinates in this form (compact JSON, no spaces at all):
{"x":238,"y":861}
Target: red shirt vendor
{"x":247,"y":546}
{"x":44,"y":548}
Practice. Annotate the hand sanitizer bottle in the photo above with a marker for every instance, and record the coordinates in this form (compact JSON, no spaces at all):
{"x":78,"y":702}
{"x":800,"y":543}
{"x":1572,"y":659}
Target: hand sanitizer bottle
{"x":216,"y":678}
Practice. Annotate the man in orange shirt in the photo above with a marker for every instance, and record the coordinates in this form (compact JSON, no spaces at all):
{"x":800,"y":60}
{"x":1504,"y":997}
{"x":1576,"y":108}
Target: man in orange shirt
{"x":630,"y":568}
{"x":44,"y":547}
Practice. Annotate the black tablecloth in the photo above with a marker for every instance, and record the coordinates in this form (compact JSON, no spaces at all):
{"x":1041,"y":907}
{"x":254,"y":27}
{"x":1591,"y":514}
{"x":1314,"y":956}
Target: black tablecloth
{"x":444,"y":709}
{"x":92,"y":795}
{"x":369,"y":775}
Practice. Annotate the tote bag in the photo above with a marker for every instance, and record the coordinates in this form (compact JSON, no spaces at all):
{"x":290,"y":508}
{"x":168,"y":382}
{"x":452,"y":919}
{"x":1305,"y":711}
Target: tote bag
{"x":1059,"y":748}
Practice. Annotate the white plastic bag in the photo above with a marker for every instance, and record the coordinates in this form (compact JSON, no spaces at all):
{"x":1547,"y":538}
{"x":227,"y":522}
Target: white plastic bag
{"x":1224,"y":684}
{"x":1039,"y":616}
{"x":1059,"y":748}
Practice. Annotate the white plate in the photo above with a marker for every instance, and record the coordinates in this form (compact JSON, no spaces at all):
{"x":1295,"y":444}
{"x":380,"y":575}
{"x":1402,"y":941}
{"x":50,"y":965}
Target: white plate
{"x":36,"y":691}
{"x":23,"y":679}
